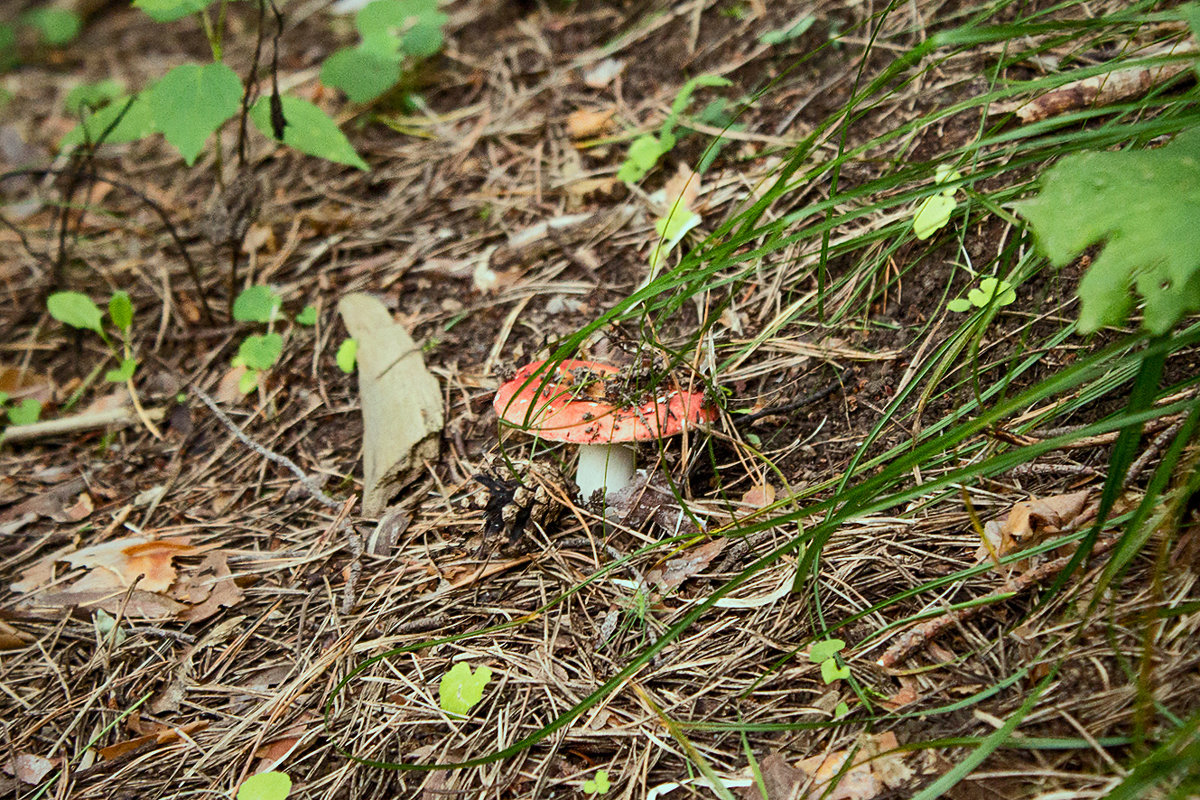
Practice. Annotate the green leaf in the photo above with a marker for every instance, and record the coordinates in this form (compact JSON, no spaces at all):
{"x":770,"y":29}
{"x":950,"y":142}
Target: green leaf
{"x":794,"y":31}
{"x":1151,"y":246}
{"x":347,"y":355}
{"x":265,"y":786}
{"x":307,"y":316}
{"x":644,"y":152}
{"x":168,"y":10}
{"x":991,"y":288}
{"x":123,"y":372}
{"x":257,"y":304}
{"x":3,"y":398}
{"x":136,"y":122}
{"x":92,"y":95}
{"x":75,"y":309}
{"x":192,"y":101}
{"x":248,"y":381}
{"x":830,"y":671}
{"x":411,"y":27}
{"x":840,"y":710}
{"x":825,"y":650}
{"x":8,"y":46}
{"x":26,"y":412}
{"x":459,"y":689}
{"x":120,"y":311}
{"x":959,"y":304}
{"x":684,"y":96}
{"x":261,"y":352}
{"x":598,"y":784}
{"x":55,"y":26}
{"x":932,"y":215}
{"x":362,"y":74}
{"x":308,"y":130}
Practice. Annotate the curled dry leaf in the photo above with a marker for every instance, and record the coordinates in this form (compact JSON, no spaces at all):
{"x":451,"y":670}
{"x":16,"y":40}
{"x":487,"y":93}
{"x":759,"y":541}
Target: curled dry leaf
{"x":760,"y":496}
{"x":678,"y":570}
{"x":1031,"y":521}
{"x":121,"y":561}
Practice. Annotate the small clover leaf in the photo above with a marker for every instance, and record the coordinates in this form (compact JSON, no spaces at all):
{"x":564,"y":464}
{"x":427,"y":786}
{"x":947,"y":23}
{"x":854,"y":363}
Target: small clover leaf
{"x":823,"y":651}
{"x":261,"y":352}
{"x":75,"y":309}
{"x":265,"y":786}
{"x":959,"y":305}
{"x":347,"y":355}
{"x":307,"y":316}
{"x":257,"y":304}
{"x":830,"y":671}
{"x":248,"y":381}
{"x":460,"y":689}
{"x":25,"y":413}
{"x":840,"y":710}
{"x":598,"y":784}
{"x":992,"y":288}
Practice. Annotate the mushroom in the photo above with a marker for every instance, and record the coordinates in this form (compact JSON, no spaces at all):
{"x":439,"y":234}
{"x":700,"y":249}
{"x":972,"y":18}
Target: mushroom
{"x":570,"y":403}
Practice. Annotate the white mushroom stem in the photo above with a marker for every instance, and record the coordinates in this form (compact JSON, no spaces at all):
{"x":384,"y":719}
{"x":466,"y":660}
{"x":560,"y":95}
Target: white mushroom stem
{"x":604,"y":466}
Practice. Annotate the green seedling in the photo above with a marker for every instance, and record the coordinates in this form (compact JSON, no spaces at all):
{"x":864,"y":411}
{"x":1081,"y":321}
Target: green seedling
{"x":1151,"y":246}
{"x":990,"y":290}
{"x":793,"y":31}
{"x":79,"y":311}
{"x":265,"y":786}
{"x":259,"y":352}
{"x":646,"y":150}
{"x":460,"y":689}
{"x":307,"y":316}
{"x":192,"y":102}
{"x":25,"y":412}
{"x":934,"y":212}
{"x":825,"y":653}
{"x":393,"y":33}
{"x":598,"y":784}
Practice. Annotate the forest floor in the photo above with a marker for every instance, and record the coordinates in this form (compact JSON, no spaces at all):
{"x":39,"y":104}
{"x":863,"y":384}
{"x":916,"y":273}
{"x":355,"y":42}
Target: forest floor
{"x":492,"y":225}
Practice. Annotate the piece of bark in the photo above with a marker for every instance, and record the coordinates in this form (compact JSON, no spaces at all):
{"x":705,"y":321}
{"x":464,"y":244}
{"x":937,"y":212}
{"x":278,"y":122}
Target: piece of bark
{"x":401,"y":401}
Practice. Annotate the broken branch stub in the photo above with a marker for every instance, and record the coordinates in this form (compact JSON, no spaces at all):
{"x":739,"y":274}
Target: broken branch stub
{"x":401,"y":401}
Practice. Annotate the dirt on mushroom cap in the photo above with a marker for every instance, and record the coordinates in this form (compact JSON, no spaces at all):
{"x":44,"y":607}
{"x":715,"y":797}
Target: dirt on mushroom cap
{"x":559,"y":406}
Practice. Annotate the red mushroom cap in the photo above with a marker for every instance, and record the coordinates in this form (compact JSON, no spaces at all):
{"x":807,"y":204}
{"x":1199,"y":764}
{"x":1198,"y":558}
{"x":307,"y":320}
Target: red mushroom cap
{"x":556,"y":406}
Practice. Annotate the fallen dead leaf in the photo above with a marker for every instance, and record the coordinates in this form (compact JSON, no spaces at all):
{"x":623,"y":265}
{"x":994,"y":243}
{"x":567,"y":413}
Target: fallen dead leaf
{"x":28,"y":768}
{"x":1031,"y":521}
{"x":208,"y":589}
{"x":19,"y":383}
{"x":12,"y":638}
{"x":760,"y":496}
{"x":681,"y":191}
{"x":603,"y":73}
{"x":164,"y":735}
{"x":584,"y":123}
{"x":120,"y":562}
{"x":693,"y":561}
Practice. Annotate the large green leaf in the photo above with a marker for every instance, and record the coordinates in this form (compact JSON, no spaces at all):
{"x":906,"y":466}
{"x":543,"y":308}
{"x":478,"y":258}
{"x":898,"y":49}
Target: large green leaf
{"x":413,"y":27}
{"x":1144,"y":206}
{"x":308,"y":130}
{"x":362,"y":74}
{"x":192,"y":101}
{"x":136,"y":122}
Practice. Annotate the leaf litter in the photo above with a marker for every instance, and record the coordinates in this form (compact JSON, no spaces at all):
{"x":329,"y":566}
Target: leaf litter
{"x":270,"y":570}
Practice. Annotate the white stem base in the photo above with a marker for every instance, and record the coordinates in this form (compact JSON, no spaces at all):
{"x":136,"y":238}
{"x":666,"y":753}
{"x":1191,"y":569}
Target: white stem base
{"x":604,"y":466}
